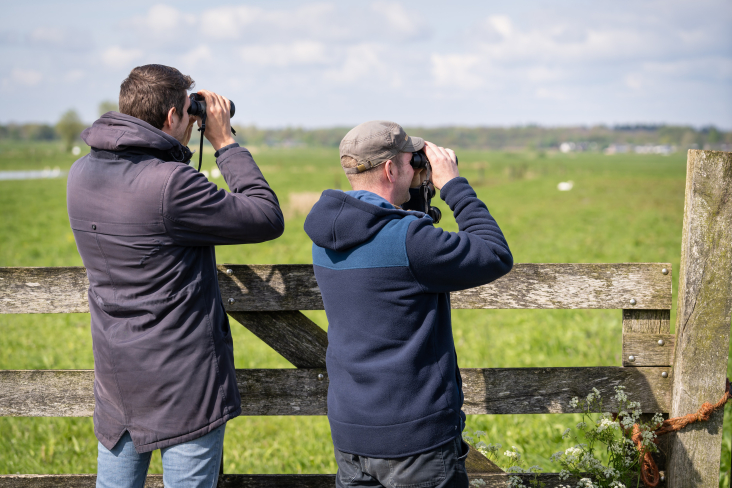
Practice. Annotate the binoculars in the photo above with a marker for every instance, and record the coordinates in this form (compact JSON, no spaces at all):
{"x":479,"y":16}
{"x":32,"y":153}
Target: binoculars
{"x":427,"y":189}
{"x":198,"y":106}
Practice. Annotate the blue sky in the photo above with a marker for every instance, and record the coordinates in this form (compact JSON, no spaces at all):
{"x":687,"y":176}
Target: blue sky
{"x":315,"y":64}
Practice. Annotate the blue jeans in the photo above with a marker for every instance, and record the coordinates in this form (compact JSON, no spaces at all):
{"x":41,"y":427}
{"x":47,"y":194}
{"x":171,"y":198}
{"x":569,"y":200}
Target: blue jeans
{"x":192,"y":464}
{"x":443,"y":467}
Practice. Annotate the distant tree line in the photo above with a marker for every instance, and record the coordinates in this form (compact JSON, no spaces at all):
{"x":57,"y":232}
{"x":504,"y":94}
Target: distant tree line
{"x":69,"y":127}
{"x":505,"y":138}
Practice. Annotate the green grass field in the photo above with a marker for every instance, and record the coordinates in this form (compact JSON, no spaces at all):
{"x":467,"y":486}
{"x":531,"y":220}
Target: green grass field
{"x":623,"y":208}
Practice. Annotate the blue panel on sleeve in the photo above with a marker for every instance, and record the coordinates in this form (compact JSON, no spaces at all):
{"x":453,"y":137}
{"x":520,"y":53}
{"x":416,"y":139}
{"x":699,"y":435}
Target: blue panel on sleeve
{"x":386,"y":249}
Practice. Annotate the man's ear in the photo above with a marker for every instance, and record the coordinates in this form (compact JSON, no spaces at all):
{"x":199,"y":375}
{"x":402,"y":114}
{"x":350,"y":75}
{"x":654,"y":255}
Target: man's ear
{"x":171,"y":119}
{"x":390,"y":171}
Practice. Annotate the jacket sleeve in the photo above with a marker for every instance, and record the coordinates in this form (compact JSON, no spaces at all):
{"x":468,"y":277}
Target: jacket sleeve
{"x":196,"y":213}
{"x":449,"y":261}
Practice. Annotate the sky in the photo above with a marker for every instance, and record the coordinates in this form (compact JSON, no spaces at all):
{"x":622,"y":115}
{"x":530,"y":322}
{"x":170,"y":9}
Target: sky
{"x":425,"y":63}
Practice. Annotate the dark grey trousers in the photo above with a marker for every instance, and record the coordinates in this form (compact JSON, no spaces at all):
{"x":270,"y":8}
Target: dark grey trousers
{"x":443,"y":467}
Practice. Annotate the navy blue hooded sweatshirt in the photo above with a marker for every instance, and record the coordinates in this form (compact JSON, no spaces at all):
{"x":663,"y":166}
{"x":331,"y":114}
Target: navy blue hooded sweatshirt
{"x":385,"y":275}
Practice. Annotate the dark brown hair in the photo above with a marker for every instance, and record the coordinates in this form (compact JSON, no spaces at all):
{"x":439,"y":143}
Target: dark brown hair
{"x":150,"y":91}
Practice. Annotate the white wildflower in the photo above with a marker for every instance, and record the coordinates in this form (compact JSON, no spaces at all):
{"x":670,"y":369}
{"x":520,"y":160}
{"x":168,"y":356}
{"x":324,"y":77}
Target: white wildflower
{"x":627,"y":422}
{"x":606,"y":424}
{"x":478,"y":482}
{"x":566,"y":432}
{"x":573,"y":454}
{"x":586,"y":483}
{"x":581,"y":425}
{"x":513,"y":454}
{"x":590,"y":462}
{"x":657,"y":419}
{"x":515,"y":482}
{"x":574,"y":402}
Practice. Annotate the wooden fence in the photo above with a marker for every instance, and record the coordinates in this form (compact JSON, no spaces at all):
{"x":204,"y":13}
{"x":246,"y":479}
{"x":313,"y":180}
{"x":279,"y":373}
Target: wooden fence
{"x":672,"y":374}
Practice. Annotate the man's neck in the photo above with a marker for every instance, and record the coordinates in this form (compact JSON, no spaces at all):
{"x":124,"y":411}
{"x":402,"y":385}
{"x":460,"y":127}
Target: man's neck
{"x":385,"y":193}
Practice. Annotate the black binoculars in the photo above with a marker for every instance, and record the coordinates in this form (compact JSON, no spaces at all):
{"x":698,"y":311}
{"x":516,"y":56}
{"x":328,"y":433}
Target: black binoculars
{"x":427,"y":189}
{"x":198,"y":106}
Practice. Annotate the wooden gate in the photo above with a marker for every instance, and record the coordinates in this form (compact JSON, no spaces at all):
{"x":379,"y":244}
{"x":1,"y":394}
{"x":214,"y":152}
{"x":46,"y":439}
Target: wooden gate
{"x":268,"y":300}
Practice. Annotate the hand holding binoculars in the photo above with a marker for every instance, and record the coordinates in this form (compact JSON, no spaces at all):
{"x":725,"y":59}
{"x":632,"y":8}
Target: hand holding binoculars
{"x":197,"y":108}
{"x":427,"y":188}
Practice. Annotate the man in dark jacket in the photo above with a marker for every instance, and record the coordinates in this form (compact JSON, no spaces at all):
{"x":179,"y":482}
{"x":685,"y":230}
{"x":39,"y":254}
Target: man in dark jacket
{"x":386,"y":273}
{"x":145,"y":224}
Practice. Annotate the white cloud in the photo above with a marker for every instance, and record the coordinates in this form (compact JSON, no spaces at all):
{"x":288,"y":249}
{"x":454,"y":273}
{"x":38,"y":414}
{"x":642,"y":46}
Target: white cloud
{"x":313,"y":21}
{"x":73,"y":75}
{"x":317,"y":21}
{"x":548,"y":94}
{"x":633,"y":81}
{"x":60,"y":38}
{"x":26,"y":77}
{"x":229,"y":22}
{"x":52,"y":35}
{"x":163,"y":21}
{"x":365,"y":63}
{"x":456,"y":70}
{"x":402,"y":24}
{"x":197,"y":57}
{"x":299,"y":53}
{"x":118,"y":57}
{"x":501,"y":24}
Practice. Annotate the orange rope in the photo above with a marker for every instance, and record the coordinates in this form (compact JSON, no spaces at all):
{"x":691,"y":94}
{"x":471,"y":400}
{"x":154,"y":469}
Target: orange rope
{"x":649,"y":470}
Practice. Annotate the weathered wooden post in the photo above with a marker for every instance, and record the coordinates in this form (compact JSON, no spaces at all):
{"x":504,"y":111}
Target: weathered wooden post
{"x":703,"y":318}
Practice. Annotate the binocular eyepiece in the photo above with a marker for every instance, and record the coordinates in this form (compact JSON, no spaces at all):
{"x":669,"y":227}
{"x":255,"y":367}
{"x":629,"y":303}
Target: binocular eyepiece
{"x":198,"y":106}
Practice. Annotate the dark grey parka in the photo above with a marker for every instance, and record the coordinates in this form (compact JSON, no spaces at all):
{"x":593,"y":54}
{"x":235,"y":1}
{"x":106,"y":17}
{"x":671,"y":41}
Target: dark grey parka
{"x":146,"y":224}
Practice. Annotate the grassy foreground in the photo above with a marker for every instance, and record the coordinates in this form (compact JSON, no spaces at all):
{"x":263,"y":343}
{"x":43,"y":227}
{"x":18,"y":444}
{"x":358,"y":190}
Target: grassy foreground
{"x":623,"y":208}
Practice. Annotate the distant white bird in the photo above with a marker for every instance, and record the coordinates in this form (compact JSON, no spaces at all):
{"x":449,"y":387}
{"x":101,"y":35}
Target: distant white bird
{"x":565,"y":185}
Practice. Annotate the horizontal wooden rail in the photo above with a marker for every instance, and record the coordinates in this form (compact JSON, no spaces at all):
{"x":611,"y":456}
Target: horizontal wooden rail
{"x":492,"y":480}
{"x":69,"y":393}
{"x":293,"y":287}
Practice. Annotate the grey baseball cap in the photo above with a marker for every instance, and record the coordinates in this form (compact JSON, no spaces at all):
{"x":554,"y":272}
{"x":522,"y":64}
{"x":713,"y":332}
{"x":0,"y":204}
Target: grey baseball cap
{"x":373,"y":143}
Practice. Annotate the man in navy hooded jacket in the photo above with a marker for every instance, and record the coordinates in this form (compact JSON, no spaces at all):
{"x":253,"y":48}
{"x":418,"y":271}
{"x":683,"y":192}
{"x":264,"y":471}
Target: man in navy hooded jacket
{"x":386,"y":273}
{"x":145,"y":224}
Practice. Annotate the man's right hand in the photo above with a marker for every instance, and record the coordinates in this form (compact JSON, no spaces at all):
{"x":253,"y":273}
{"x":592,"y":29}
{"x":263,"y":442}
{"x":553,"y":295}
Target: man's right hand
{"x":218,"y":122}
{"x":443,"y":163}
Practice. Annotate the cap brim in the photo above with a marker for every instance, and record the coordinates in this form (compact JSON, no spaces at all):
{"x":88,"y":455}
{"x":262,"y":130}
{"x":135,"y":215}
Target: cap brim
{"x":412,"y":144}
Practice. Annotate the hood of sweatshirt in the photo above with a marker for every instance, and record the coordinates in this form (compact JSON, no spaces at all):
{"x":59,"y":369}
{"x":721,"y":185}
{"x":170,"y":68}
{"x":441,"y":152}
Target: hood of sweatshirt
{"x":342,"y":220}
{"x":114,"y":131}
